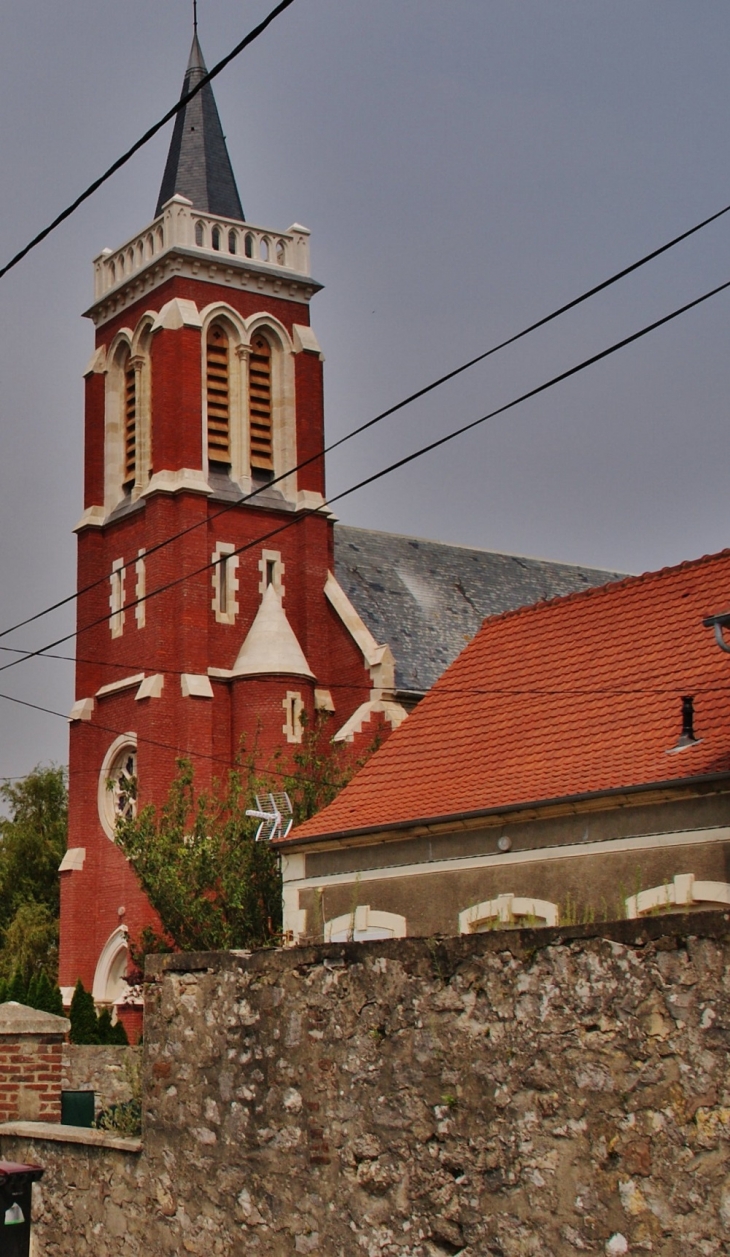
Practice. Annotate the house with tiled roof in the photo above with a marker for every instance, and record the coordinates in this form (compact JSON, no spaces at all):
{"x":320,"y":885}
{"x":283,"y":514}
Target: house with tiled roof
{"x":572,"y":763}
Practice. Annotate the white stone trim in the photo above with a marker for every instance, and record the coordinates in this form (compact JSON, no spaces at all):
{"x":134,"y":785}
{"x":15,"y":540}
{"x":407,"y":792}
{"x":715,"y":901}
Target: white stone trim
{"x":73,"y":860}
{"x":83,"y":709}
{"x":93,"y":517}
{"x":224,"y":558}
{"x":110,"y":954}
{"x":311,"y":500}
{"x":67,"y":994}
{"x":304,"y":340}
{"x":293,"y":708}
{"x":116,"y":598}
{"x":178,"y":313}
{"x":362,"y":920}
{"x":323,"y":701}
{"x":379,"y":659}
{"x":185,"y":479}
{"x":126,"y":683}
{"x":683,"y":890}
{"x":272,"y":556}
{"x":506,"y":909}
{"x":97,"y":362}
{"x":151,"y":687}
{"x":393,"y":713}
{"x":123,"y":742}
{"x":140,"y":590}
{"x":293,"y":870}
{"x":193,"y":685}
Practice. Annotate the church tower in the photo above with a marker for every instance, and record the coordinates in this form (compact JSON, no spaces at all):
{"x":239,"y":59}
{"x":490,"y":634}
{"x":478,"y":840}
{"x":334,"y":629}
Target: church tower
{"x":208,"y":612}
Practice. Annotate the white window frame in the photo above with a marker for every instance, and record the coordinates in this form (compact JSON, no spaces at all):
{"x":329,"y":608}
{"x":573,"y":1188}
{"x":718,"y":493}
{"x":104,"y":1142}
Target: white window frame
{"x":225,"y":563}
{"x":116,"y":598}
{"x":140,"y":590}
{"x":683,"y":891}
{"x":363,"y":920}
{"x":125,"y":743}
{"x":293,"y":707}
{"x":267,"y":557}
{"x":507,"y":910}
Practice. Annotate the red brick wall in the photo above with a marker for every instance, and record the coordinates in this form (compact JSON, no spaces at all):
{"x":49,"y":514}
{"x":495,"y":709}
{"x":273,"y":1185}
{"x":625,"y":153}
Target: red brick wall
{"x":30,"y":1078}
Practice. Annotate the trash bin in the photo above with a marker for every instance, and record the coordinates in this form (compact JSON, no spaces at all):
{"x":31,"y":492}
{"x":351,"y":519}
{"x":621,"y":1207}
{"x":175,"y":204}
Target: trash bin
{"x":15,"y":1191}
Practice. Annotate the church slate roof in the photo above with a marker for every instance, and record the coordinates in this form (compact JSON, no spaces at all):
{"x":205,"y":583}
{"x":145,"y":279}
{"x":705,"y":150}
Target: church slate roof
{"x":198,"y":165}
{"x":427,"y":599}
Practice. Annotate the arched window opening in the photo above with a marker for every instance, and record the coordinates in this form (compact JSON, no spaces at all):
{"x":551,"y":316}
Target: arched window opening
{"x":248,"y":245}
{"x":264,"y":250}
{"x":199,"y":234}
{"x":259,"y":388}
{"x":508,"y":911}
{"x":364,"y":924}
{"x":216,"y":238}
{"x":281,"y":253}
{"x":232,"y":242}
{"x":150,"y":246}
{"x":218,"y":395}
{"x":130,"y":425}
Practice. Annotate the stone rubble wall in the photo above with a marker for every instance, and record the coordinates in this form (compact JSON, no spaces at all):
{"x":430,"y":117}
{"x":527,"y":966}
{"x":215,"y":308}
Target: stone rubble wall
{"x":529,"y":1093}
{"x":105,"y":1070}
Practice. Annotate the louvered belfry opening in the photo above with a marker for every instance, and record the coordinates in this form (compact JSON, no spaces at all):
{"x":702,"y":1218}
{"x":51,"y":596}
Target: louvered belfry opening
{"x":130,"y":425}
{"x":259,"y":389}
{"x":218,"y":395}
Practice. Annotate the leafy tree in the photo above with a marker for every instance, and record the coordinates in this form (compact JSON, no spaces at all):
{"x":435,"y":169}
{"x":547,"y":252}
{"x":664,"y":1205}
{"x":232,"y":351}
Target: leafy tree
{"x":321,"y":768}
{"x":31,"y":941}
{"x":84,"y":1022}
{"x":212,"y":884}
{"x":32,"y":841}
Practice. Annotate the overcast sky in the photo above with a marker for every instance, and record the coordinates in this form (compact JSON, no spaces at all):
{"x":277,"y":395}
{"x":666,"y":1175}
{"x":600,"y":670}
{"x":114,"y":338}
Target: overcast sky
{"x":464,"y":166}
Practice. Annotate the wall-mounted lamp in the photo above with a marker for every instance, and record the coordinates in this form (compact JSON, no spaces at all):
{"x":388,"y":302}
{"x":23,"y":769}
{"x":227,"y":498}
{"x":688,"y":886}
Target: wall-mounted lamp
{"x":718,"y":623}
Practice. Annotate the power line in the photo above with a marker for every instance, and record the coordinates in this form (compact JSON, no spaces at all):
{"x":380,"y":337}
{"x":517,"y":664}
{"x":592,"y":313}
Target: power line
{"x":148,"y":135}
{"x":395,"y":466}
{"x":385,"y":414}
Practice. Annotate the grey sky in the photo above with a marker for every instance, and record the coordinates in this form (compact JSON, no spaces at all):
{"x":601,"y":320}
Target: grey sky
{"x":464,"y":166}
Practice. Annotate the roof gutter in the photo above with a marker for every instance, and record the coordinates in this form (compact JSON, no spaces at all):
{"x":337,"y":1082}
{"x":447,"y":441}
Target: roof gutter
{"x":505,"y":809}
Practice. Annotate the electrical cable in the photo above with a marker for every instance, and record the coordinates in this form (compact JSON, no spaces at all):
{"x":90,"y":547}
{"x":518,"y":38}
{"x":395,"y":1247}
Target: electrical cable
{"x":148,"y":135}
{"x":385,"y":414}
{"x":385,"y":471}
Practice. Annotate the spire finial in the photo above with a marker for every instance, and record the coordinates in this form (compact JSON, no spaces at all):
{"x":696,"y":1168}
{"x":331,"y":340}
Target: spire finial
{"x":195,"y":15}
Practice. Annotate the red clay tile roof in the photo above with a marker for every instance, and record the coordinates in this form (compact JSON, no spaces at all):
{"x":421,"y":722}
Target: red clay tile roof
{"x":578,"y":695}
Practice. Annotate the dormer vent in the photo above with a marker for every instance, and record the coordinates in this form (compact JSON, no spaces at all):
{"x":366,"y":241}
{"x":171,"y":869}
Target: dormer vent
{"x":687,"y":736}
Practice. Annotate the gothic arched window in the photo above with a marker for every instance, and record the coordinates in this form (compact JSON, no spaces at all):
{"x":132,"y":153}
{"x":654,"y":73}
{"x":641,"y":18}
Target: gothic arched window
{"x":217,"y":381}
{"x":259,"y":390}
{"x":130,"y":425}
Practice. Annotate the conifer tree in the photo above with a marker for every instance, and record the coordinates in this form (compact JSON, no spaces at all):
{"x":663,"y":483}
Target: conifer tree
{"x":3,"y":990}
{"x":84,"y":1022}
{"x":119,"y":1035}
{"x":16,"y":988}
{"x":31,"y":994}
{"x":54,"y":1001}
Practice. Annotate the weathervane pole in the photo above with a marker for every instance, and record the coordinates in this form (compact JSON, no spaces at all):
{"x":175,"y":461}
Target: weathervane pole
{"x":195,"y":15}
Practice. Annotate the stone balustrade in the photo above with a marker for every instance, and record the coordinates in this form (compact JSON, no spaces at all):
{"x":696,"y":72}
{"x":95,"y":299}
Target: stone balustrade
{"x":181,"y":226}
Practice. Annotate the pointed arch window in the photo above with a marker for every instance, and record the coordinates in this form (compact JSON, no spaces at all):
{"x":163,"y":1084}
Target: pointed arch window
{"x":130,"y":425}
{"x":259,"y":387}
{"x":218,"y":394}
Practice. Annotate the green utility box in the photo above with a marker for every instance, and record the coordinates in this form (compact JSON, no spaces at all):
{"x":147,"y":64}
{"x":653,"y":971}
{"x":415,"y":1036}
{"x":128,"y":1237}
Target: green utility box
{"x":15,"y":1194}
{"x":77,"y":1108}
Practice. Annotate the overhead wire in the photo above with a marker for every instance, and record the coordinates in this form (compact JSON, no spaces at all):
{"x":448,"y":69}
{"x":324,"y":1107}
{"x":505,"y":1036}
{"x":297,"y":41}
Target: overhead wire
{"x":391,"y":410}
{"x":388,"y":470}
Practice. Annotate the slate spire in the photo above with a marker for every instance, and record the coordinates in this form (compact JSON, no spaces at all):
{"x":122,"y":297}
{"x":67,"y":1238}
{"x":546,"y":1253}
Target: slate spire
{"x":198,"y":165}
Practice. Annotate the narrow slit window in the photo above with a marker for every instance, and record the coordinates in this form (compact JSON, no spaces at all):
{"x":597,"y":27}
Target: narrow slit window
{"x":218,"y":396}
{"x":223,"y":585}
{"x":130,"y":426}
{"x":260,"y":405}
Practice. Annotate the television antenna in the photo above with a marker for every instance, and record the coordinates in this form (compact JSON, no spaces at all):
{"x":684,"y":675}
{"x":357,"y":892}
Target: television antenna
{"x":274,"y":811}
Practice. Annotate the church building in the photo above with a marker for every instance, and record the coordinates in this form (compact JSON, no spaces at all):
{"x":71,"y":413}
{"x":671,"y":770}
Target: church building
{"x":219,"y":602}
